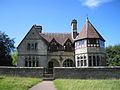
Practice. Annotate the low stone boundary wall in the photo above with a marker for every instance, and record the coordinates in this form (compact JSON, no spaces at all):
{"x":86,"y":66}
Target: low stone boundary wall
{"x":88,"y":73}
{"x":63,"y":72}
{"x":22,"y":71}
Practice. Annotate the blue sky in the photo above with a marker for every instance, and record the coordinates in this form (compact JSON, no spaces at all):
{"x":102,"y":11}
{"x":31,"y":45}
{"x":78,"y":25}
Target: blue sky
{"x":55,"y":16}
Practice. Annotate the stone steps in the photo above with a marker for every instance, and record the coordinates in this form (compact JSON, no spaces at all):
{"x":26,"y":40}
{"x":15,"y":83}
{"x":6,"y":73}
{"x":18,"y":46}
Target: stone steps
{"x":48,"y":77}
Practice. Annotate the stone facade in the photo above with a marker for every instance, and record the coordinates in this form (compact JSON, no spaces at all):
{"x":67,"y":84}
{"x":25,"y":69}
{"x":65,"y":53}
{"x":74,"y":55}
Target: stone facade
{"x":39,"y":49}
{"x":50,"y":50}
{"x":37,"y":54}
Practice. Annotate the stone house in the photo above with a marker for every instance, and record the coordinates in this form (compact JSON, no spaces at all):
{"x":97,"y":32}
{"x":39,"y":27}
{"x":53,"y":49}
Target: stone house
{"x":74,"y":49}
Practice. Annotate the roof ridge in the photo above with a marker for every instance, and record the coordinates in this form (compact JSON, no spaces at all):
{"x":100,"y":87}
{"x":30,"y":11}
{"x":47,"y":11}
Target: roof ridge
{"x":55,"y":33}
{"x":59,"y":37}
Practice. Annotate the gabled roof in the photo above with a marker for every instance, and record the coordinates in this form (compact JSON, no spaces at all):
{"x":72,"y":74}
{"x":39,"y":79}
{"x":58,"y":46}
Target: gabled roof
{"x":88,"y":31}
{"x":59,"y":37}
{"x":33,"y":27}
{"x":67,"y":40}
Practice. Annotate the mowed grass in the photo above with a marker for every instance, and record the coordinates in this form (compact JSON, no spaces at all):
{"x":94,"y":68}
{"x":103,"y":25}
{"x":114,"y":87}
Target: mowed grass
{"x":79,"y":84}
{"x":17,"y":83}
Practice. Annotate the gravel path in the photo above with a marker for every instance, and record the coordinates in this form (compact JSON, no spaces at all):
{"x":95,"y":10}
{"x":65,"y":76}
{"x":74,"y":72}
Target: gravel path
{"x":45,"y":85}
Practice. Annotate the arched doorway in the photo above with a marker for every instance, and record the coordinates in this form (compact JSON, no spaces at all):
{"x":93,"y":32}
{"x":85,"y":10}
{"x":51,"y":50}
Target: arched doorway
{"x":53,"y":63}
{"x":68,"y":63}
{"x":50,"y":64}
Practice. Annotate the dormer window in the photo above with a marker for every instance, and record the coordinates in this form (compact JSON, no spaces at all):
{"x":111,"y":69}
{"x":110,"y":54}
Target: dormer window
{"x":68,"y":45}
{"x":53,"y":46}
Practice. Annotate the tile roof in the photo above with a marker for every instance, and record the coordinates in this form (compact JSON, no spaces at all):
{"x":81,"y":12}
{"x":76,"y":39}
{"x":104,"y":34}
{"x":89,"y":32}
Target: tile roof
{"x":88,"y":31}
{"x":59,"y":37}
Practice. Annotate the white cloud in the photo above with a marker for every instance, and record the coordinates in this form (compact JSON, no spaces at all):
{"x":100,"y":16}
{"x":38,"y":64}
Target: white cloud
{"x":94,"y":3}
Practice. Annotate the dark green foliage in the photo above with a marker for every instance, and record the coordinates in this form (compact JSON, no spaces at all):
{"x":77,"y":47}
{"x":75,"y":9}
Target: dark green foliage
{"x":6,"y":46}
{"x":113,"y":55}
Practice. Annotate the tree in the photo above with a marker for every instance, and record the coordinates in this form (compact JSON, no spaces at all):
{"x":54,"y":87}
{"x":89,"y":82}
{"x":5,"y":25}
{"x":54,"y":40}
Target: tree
{"x":14,"y":58}
{"x":6,"y":47}
{"x":113,"y":55}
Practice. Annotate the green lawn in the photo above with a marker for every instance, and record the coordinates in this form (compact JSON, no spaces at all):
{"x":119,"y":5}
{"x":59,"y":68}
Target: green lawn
{"x":79,"y":84}
{"x":17,"y":83}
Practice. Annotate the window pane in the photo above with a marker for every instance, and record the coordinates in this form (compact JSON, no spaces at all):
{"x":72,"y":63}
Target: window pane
{"x":68,"y":63}
{"x":81,"y":57}
{"x":81,"y":62}
{"x":94,"y":61}
{"x":85,"y":63}
{"x":84,"y":57}
{"x":90,"y":61}
{"x":29,"y":63}
{"x":37,"y":63}
{"x":36,"y":46}
{"x":26,"y":63}
{"x":98,"y":59}
{"x":33,"y":63}
{"x":28,"y":46}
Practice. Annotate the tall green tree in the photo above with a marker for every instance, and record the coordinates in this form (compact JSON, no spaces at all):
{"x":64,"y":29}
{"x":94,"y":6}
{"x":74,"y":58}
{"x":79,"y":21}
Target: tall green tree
{"x":6,"y":47}
{"x":113,"y":55}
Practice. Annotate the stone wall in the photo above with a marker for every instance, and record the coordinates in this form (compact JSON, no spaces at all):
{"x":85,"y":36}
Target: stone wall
{"x":22,"y":71}
{"x":88,"y":73}
{"x":62,"y":72}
